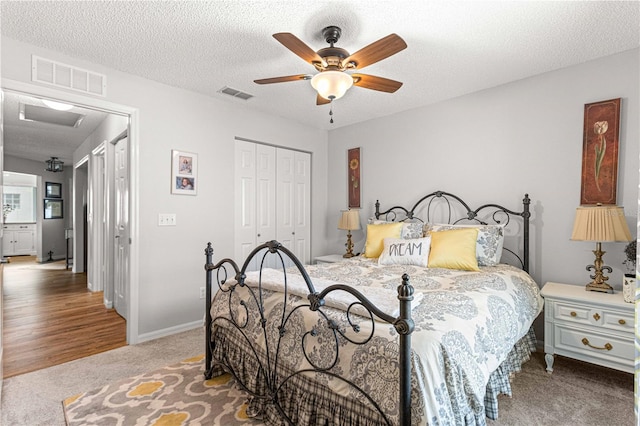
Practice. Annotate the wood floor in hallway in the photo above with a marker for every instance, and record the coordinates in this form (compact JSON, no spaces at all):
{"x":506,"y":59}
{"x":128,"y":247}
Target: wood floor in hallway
{"x":50,"y":317}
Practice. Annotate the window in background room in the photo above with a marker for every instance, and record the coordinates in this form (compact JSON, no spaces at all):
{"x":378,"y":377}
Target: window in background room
{"x":19,"y":202}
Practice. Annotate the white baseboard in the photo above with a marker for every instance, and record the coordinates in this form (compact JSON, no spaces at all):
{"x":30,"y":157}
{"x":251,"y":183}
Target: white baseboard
{"x":169,"y":331}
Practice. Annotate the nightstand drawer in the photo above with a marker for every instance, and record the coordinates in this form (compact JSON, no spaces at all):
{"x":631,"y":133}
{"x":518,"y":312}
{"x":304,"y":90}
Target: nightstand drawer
{"x":573,"y":313}
{"x":593,"y":344}
{"x":618,"y":321}
{"x":588,"y":315}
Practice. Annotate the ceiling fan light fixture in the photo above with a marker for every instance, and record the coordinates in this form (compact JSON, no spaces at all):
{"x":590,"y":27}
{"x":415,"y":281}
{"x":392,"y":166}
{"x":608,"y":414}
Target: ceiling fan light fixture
{"x":332,"y":84}
{"x":60,"y":106}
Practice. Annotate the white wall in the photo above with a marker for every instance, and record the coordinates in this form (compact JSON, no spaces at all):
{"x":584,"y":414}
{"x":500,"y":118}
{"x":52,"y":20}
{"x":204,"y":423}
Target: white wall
{"x":495,"y":146}
{"x":172,"y":258}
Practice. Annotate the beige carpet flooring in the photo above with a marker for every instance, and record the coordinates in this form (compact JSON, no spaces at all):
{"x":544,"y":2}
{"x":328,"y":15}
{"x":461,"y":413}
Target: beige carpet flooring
{"x":576,"y":393}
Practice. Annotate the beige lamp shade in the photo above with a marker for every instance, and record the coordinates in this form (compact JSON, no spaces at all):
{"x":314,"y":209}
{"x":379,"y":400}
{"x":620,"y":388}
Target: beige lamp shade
{"x":600,"y":224}
{"x":349,"y":220}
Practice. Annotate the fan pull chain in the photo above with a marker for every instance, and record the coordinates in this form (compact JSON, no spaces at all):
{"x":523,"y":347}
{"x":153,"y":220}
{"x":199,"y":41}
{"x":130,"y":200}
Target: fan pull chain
{"x":331,"y":112}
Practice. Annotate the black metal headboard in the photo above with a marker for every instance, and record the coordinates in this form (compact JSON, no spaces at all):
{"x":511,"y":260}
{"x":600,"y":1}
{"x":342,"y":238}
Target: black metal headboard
{"x":450,"y":208}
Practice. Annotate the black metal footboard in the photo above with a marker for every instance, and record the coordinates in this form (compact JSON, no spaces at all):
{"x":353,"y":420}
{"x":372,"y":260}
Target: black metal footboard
{"x":270,"y":332}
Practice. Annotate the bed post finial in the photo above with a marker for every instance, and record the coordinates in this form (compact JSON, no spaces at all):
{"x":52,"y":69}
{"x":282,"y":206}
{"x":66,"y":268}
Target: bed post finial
{"x":404,"y":325}
{"x":377,"y":209}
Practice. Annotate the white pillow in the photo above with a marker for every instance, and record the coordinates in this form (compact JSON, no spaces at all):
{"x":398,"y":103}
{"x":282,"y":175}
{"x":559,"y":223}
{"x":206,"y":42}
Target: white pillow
{"x":488,"y":245}
{"x":401,"y":251}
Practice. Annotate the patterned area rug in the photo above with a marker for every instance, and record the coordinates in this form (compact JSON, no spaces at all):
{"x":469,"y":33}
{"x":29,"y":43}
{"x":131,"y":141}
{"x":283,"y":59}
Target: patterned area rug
{"x":175,"y":395}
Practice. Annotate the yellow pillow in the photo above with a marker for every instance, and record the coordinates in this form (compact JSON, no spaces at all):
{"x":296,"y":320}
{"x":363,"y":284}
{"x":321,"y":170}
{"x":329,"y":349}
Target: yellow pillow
{"x":376,"y":235}
{"x":454,"y":249}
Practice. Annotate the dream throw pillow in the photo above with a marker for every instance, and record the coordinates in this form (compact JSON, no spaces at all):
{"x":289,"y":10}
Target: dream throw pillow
{"x":400,"y":251}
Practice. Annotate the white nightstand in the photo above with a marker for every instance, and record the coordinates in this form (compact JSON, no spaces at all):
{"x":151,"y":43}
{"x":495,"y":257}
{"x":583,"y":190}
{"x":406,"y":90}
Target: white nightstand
{"x":330,"y":258}
{"x":589,"y":326}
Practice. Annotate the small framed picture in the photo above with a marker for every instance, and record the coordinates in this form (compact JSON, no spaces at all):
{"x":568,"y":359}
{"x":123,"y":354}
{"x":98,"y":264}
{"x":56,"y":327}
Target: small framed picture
{"x":52,"y":209}
{"x":53,"y":190}
{"x":184,"y":172}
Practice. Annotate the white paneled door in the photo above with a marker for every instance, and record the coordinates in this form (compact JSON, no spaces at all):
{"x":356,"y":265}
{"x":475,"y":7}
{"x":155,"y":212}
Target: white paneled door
{"x":292,"y":201}
{"x":272,"y":200}
{"x":121,"y":234}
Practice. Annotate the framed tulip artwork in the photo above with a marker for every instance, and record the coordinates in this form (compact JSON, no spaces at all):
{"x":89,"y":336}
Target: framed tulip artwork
{"x":600,"y":152}
{"x":354,"y":182}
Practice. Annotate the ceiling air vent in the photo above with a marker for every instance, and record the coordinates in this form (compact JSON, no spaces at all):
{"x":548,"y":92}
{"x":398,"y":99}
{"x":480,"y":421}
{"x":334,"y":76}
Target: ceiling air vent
{"x":51,"y":116}
{"x":67,"y":76}
{"x":235,"y":93}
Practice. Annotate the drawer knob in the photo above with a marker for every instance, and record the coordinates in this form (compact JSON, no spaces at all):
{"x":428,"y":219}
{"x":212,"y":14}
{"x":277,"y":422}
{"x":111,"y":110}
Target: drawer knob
{"x":596,"y":316}
{"x":621,"y":322}
{"x":573,"y":314}
{"x":607,"y":346}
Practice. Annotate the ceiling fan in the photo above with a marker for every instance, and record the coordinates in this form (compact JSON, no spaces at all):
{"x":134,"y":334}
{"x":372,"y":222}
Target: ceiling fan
{"x":332,"y":82}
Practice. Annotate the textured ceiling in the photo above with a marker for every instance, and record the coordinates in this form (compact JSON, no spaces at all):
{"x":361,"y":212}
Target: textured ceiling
{"x":454,"y":47}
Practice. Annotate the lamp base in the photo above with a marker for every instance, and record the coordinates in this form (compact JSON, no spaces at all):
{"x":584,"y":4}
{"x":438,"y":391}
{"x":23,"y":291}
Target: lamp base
{"x":602,"y":287}
{"x":599,"y":282}
{"x":349,"y":246}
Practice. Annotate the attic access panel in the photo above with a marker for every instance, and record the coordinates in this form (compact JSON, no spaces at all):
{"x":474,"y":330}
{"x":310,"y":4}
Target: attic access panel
{"x":50,"y":116}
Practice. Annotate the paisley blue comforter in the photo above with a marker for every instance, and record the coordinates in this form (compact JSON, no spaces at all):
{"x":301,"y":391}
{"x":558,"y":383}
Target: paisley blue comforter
{"x":467,"y":324}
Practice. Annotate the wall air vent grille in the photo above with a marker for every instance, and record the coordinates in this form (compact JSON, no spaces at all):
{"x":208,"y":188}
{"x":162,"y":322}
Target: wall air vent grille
{"x":67,"y":76}
{"x":235,"y":93}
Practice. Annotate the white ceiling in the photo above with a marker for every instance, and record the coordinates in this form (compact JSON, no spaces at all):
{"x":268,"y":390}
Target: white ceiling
{"x":454,"y":47}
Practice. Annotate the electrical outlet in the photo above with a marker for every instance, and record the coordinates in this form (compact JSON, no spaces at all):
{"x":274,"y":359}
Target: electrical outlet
{"x":203,"y":293}
{"x":166,"y":219}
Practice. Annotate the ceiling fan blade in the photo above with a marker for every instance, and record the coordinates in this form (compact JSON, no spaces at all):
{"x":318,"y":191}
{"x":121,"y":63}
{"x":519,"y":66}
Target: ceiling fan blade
{"x":373,"y":82}
{"x":298,"y":47}
{"x":321,"y":101}
{"x":377,"y":51}
{"x":283,"y":79}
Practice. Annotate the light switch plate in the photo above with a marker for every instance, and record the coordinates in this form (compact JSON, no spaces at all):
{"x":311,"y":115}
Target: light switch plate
{"x":166,"y":219}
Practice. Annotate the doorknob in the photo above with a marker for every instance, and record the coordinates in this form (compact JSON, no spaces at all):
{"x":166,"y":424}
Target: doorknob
{"x":117,"y":236}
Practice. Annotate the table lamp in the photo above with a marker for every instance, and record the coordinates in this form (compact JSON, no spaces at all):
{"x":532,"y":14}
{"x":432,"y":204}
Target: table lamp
{"x":600,"y":224}
{"x":349,"y":221}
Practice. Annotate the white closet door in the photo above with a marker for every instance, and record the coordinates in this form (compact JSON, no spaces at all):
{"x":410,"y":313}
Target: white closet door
{"x":302,"y":206}
{"x":245,"y":200}
{"x":293,"y":202}
{"x":272,"y":201}
{"x":285,"y":203}
{"x":266,"y":198}
{"x":255,"y":180}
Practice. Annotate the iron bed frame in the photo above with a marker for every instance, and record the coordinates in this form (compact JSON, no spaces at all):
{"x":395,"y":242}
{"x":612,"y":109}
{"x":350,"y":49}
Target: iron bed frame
{"x":227,"y":269}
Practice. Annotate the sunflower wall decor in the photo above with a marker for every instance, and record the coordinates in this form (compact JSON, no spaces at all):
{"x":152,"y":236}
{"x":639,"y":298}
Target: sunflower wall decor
{"x":354,"y":182}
